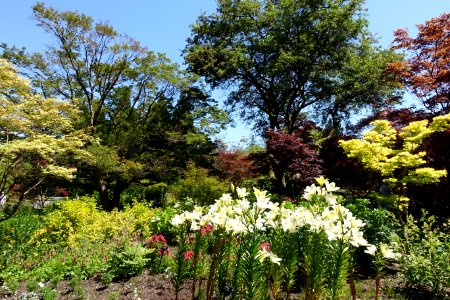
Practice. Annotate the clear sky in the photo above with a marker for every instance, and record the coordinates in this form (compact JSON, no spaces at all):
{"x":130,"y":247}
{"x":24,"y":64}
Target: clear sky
{"x":163,"y":25}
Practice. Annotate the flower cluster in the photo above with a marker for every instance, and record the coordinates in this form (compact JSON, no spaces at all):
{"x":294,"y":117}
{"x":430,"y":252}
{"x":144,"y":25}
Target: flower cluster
{"x":158,"y":241}
{"x":240,"y":216}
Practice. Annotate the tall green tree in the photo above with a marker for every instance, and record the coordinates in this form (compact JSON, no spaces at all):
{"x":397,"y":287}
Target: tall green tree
{"x":282,"y":59}
{"x":129,"y":97}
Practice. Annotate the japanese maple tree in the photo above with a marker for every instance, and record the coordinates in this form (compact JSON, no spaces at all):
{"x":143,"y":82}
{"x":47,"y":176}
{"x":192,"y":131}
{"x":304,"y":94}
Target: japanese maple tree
{"x":291,"y":161}
{"x":426,"y":70}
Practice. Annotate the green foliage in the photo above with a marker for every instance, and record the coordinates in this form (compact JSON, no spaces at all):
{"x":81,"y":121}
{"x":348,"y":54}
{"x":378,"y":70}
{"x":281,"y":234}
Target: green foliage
{"x":74,"y":237}
{"x":49,"y":294}
{"x":75,"y":221}
{"x":127,"y":261}
{"x":197,"y":188}
{"x":314,"y":264}
{"x":179,"y":269}
{"x":281,"y":58}
{"x":15,"y":234}
{"x":425,"y":249}
{"x":282,"y":278}
{"x":160,"y":222}
{"x":378,"y":222}
{"x":38,"y":139}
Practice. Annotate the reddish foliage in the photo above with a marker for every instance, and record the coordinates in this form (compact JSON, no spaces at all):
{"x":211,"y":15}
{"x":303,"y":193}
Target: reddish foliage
{"x":60,"y":191}
{"x":235,"y":164}
{"x":426,"y":72}
{"x":398,"y":118}
{"x":292,"y":162}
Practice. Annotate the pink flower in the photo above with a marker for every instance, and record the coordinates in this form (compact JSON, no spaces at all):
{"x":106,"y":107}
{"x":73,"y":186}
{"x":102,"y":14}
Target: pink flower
{"x":207,"y":228}
{"x":156,"y":241}
{"x":188,"y":255}
{"x":265,"y":246}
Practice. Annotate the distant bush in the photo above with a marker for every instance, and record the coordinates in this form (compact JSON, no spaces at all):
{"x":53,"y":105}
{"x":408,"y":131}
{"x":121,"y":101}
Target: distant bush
{"x":197,"y":187}
{"x":152,"y":194}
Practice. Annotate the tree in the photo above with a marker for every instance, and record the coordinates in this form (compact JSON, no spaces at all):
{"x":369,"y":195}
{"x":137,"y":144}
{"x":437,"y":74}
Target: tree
{"x":37,"y":137}
{"x":134,"y":100}
{"x":282,"y":59}
{"x":395,"y":155}
{"x":426,"y":71}
{"x":290,"y":160}
{"x":235,"y":165}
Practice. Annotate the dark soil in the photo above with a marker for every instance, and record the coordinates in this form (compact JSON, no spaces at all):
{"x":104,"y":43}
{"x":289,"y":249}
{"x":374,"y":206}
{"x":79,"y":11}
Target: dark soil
{"x":158,"y":287}
{"x":142,"y":287}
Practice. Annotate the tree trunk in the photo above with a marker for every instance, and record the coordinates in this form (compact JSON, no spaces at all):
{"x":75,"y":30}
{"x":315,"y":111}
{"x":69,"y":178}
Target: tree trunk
{"x":119,"y":187}
{"x":102,"y":189}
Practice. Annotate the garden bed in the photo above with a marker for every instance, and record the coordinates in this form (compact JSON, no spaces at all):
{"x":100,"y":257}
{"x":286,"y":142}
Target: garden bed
{"x":147,"y":286}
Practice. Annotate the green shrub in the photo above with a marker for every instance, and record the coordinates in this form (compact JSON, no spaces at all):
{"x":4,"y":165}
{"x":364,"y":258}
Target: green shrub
{"x":15,"y":236}
{"x":74,"y":236}
{"x":49,"y":294}
{"x":127,"y":261}
{"x":378,"y":224}
{"x":425,"y":250}
{"x":79,"y":221}
{"x":16,"y":232}
{"x":197,"y":188}
{"x":107,"y":278}
{"x":160,"y":222}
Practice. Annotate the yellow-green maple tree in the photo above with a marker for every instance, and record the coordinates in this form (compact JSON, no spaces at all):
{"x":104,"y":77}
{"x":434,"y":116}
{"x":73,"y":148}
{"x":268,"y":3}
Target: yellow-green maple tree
{"x":395,"y":155}
{"x":37,"y":137}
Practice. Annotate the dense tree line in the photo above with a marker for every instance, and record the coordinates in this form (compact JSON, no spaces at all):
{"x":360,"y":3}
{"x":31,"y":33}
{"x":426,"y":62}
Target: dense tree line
{"x":298,"y":70}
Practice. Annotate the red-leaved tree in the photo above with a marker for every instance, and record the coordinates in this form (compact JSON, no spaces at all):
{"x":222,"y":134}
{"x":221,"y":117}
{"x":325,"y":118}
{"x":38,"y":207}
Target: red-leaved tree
{"x":290,"y":160}
{"x":426,"y":70}
{"x":235,"y":165}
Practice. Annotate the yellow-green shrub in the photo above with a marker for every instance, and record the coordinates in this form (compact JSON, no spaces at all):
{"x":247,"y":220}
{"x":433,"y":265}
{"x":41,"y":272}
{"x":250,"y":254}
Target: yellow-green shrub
{"x":75,"y":221}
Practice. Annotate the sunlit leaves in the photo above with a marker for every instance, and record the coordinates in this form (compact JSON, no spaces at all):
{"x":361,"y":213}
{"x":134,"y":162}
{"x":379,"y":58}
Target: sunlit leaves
{"x":379,"y":150}
{"x":37,"y":138}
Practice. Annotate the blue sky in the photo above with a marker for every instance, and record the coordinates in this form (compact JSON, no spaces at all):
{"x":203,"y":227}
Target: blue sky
{"x":163,"y":25}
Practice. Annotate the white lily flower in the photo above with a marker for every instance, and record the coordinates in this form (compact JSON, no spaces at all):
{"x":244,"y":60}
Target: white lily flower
{"x":387,"y":252}
{"x":371,"y":249}
{"x":241,"y":192}
{"x":177,"y":220}
{"x":331,"y":186}
{"x":274,"y":259}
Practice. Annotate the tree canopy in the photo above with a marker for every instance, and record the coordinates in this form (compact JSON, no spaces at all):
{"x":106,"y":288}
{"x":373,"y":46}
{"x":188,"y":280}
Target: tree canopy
{"x":282,"y":59}
{"x":37,"y":136}
{"x":426,"y":70}
{"x":149,"y":114}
